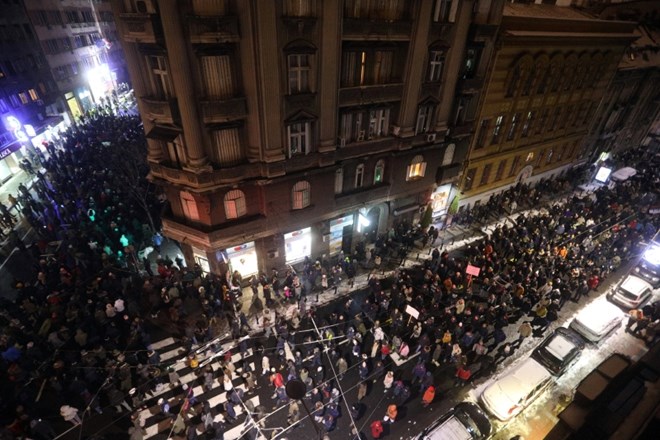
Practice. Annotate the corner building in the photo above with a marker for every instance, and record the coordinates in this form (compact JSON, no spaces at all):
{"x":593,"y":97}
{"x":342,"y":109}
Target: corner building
{"x":547,"y":77}
{"x":285,"y":129}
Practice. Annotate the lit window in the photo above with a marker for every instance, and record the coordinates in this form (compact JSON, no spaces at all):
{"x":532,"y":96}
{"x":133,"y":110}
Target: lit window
{"x":301,"y":195}
{"x":23,"y":97}
{"x":298,"y":135}
{"x":379,"y":171}
{"x":235,"y":204}
{"x":189,"y":206}
{"x":33,"y":94}
{"x":359,"y":176}
{"x":416,"y":169}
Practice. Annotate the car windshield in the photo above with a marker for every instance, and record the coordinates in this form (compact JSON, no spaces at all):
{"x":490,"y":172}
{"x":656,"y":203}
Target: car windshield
{"x":469,"y":423}
{"x":627,"y":294}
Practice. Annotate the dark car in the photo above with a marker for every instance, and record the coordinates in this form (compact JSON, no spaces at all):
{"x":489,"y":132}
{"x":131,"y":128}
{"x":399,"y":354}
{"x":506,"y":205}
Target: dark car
{"x":465,"y":421}
{"x":559,"y":350}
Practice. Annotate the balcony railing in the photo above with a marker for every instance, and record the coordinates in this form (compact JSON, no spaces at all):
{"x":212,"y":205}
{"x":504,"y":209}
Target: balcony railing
{"x":370,"y":94}
{"x":138,"y":28}
{"x":213,"y":29}
{"x":358,"y":29}
{"x":218,"y":111}
{"x":159,"y":110}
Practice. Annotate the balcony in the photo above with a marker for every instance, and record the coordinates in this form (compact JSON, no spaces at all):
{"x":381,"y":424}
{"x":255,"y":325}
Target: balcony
{"x":219,"y":111}
{"x":372,"y":30}
{"x":160,"y":111}
{"x":470,"y":85}
{"x":462,"y":129}
{"x":370,"y":94}
{"x":213,"y":29}
{"x":138,"y":28}
{"x":447,"y":173}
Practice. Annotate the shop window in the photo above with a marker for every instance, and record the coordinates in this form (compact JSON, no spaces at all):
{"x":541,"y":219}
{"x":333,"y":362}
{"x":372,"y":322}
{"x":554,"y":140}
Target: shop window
{"x":359,"y":176}
{"x":469,"y":179}
{"x":425,"y":118}
{"x":416,"y":169}
{"x":436,"y":64}
{"x":339,"y":181}
{"x":379,"y":172}
{"x":448,"y":157}
{"x":235,"y":206}
{"x":301,"y":195}
{"x":189,"y":206}
{"x":298,"y":135}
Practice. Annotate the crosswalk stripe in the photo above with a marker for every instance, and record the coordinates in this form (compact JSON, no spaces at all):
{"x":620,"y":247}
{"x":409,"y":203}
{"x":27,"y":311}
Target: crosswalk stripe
{"x":162,"y":343}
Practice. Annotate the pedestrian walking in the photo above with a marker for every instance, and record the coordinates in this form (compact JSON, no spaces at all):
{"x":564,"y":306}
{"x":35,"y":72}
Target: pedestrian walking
{"x":70,"y":414}
{"x":390,"y":414}
{"x":361,"y":390}
{"x":428,"y":396}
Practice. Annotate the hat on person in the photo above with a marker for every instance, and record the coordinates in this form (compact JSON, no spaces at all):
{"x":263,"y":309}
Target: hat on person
{"x":160,"y":401}
{"x":185,"y":387}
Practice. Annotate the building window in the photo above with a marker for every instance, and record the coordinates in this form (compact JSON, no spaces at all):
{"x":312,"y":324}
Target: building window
{"x":448,"y":157}
{"x":469,"y":179}
{"x":298,"y":8}
{"x":540,"y":158}
{"x":500,"y":170}
{"x":379,"y":122}
{"x":33,"y":94}
{"x":544,"y":120}
{"x":298,"y":135}
{"x":549,"y":158}
{"x":436,"y":63}
{"x":359,"y":176}
{"x":485,"y":175}
{"x":483,"y":132}
{"x":23,"y":97}
{"x":379,"y":172}
{"x":218,"y":76}
{"x":160,"y":76}
{"x":514,"y":81}
{"x":388,"y":10}
{"x":529,"y":81}
{"x":470,"y":64}
{"x":514,"y":166}
{"x":416,"y":169}
{"x":425,"y":118}
{"x":529,"y":121}
{"x":566,"y":116}
{"x":301,"y":195}
{"x":299,"y":69}
{"x":543,"y":82}
{"x":443,"y":11}
{"x":512,"y":128}
{"x":339,"y":180}
{"x":235,"y":204}
{"x":362,"y":68}
{"x":497,"y":131}
{"x":555,"y":119}
{"x":189,"y":206}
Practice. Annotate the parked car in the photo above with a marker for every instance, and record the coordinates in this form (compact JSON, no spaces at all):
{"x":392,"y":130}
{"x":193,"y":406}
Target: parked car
{"x":631,"y":293}
{"x":515,"y":390}
{"x":559,"y":350}
{"x":649,"y":271}
{"x":597,"y":320}
{"x":466,"y":421}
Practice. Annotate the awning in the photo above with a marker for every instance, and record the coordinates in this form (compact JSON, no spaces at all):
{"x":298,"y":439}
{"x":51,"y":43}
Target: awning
{"x":406,"y":208}
{"x":163,"y":133}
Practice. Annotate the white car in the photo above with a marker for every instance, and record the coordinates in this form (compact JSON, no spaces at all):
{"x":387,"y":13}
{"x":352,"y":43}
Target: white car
{"x":514,"y":391}
{"x":597,"y":320}
{"x":631,"y":293}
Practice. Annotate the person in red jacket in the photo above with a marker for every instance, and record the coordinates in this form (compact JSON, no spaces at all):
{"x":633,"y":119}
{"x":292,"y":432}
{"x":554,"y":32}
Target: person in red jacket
{"x":463,"y":375}
{"x":593,"y":282}
{"x":376,"y":429}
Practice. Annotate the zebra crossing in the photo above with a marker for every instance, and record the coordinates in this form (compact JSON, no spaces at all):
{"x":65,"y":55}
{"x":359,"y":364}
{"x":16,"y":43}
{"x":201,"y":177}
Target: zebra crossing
{"x":157,"y":426}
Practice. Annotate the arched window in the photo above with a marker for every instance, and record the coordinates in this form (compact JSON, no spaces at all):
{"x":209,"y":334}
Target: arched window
{"x":379,"y":172}
{"x":416,"y":169}
{"x":235,"y":204}
{"x":514,"y":80}
{"x":359,"y":175}
{"x":300,"y":195}
{"x":339,"y":181}
{"x":448,"y":158}
{"x":189,"y":206}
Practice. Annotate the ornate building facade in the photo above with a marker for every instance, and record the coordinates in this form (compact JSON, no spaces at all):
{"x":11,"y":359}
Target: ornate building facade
{"x":281,"y":130}
{"x":547,"y":77}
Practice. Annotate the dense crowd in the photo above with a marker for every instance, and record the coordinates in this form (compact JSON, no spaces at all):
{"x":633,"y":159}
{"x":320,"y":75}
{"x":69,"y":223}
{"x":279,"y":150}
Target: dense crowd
{"x":75,"y":340}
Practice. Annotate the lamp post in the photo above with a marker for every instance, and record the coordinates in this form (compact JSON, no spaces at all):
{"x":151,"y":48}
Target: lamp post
{"x":296,"y":389}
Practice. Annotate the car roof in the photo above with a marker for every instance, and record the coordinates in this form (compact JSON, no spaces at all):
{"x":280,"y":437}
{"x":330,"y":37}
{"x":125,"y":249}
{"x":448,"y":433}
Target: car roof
{"x":451,"y":429}
{"x":597,"y":315}
{"x":560,"y":345}
{"x":516,"y":384}
{"x":634,"y":285}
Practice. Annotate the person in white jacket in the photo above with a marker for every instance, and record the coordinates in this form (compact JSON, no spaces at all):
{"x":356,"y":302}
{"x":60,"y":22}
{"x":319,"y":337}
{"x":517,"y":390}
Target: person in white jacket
{"x":388,"y":381}
{"x":70,"y":414}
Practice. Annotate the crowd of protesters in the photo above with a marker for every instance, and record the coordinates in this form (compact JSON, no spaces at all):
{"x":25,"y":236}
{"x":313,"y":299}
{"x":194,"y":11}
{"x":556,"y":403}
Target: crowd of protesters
{"x":75,"y":341}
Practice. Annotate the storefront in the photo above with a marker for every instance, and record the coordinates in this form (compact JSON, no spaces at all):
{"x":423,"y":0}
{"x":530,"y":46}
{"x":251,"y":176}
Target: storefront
{"x":243,"y":258}
{"x":440,"y":199}
{"x":201,"y":259}
{"x":298,"y":245}
{"x":341,"y":234}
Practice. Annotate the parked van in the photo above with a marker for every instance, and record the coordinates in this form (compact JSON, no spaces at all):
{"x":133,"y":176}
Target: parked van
{"x":515,"y":390}
{"x":597,"y":320}
{"x":631,"y":293}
